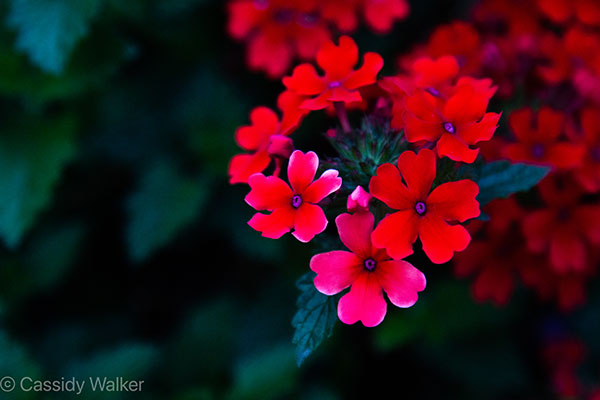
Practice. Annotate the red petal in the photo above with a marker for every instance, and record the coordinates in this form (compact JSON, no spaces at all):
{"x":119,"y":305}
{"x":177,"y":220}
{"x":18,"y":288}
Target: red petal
{"x":388,"y":187}
{"x":336,"y":270}
{"x":396,"y":233}
{"x":550,"y":124}
{"x":289,"y":104}
{"x":565,"y":155}
{"x":274,"y":225}
{"x":441,"y":240}
{"x":363,"y":303}
{"x":327,"y":183}
{"x":268,"y":193}
{"x":495,"y":283}
{"x":367,"y":73}
{"x":454,"y":201}
{"x":456,"y":149}
{"x":520,"y":122}
{"x":401,"y":281}
{"x":270,"y":53}
{"x":355,"y":232}
{"x":567,"y":252}
{"x":242,"y":166}
{"x":338,"y":61}
{"x":537,"y":227}
{"x":301,"y":170}
{"x":317,"y":103}
{"x":265,"y":123}
{"x":417,"y":130}
{"x":304,"y":81}
{"x":418,"y":171}
{"x":341,"y":94}
{"x":434,"y":72}
{"x":475,"y":132}
{"x":466,"y":105}
{"x":310,"y":221}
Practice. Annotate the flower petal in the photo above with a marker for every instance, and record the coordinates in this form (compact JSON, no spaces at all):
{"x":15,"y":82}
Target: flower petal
{"x":268,"y":193}
{"x":456,"y":149}
{"x":396,"y":233}
{"x":327,"y":183}
{"x":363,"y":303}
{"x":338,"y":61}
{"x":466,"y":105}
{"x":367,"y":73}
{"x":401,"y":281}
{"x":336,"y":270}
{"x":475,"y":132}
{"x":418,"y":170}
{"x":304,"y":81}
{"x":242,"y":166}
{"x":455,"y":201}
{"x":355,"y":232}
{"x":417,"y":130}
{"x":440,"y":240}
{"x":310,"y":221}
{"x":388,"y":187}
{"x":301,"y":170}
{"x":274,"y":225}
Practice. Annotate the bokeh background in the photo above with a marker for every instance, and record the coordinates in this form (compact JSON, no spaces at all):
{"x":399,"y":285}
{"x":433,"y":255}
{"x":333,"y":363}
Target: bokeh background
{"x":125,"y":252}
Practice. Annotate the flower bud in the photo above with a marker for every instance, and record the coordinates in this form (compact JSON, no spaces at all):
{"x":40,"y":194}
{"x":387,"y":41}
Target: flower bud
{"x":359,"y":200}
{"x":280,"y":146}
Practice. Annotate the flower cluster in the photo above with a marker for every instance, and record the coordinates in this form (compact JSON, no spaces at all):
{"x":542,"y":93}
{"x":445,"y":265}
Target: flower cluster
{"x":408,"y":197}
{"x":279,"y":31}
{"x":542,"y":52}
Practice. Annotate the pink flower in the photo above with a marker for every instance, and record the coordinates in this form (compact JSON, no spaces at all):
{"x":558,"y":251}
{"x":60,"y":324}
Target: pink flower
{"x":370,"y":272}
{"x":293,"y":207}
{"x":359,"y":200}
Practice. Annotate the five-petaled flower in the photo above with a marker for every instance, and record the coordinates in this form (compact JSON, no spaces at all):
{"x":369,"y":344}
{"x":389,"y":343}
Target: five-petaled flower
{"x":294,"y":207}
{"x":429,"y":216}
{"x":341,"y":82}
{"x":369,"y":271}
{"x":456,"y":123}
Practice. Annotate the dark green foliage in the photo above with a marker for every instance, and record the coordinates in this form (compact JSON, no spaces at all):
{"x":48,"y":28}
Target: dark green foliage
{"x":315,"y":318}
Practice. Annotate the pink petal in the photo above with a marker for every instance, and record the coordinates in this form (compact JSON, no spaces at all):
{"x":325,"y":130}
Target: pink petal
{"x":310,"y":221}
{"x":336,"y":270}
{"x":301,"y":170}
{"x":274,"y":225}
{"x":355,"y":232}
{"x":268,"y":193}
{"x":401,"y":281}
{"x":327,"y":183}
{"x":358,"y":200}
{"x":364,"y":302}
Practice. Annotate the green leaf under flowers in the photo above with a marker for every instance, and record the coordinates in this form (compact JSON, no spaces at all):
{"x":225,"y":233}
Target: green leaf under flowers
{"x":31,"y":161}
{"x":315,"y":318}
{"x":500,"y":179}
{"x":48,"y":30}
{"x":164,"y":203}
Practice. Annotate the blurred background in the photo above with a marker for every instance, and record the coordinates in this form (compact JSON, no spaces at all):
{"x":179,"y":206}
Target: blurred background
{"x":125,"y":252}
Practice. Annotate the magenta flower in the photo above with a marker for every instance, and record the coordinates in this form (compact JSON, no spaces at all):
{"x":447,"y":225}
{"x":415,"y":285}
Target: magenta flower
{"x":296,"y":207}
{"x":358,"y":200}
{"x":370,"y":272}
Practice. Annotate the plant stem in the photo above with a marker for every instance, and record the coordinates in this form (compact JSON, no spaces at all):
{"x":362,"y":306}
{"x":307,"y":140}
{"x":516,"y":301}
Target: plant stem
{"x":342,"y":115}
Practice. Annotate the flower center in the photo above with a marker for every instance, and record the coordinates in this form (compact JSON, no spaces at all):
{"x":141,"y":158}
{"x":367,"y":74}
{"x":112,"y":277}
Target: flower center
{"x":308,"y":19}
{"x":296,"y":201}
{"x":448,"y":127}
{"x":334,"y":84}
{"x":537,"y":150}
{"x":370,"y":264}
{"x":564,"y":214}
{"x":284,"y":16}
{"x":595,"y":153}
{"x":420,"y":208}
{"x":433,"y":92}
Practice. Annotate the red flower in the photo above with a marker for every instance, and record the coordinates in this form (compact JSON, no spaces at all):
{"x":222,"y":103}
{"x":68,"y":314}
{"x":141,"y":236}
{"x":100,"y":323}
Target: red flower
{"x":341,"y":82}
{"x":561,"y":11}
{"x":589,"y":173}
{"x":293,"y":207}
{"x":456,"y":123}
{"x":255,"y":138}
{"x":538,"y":139}
{"x":421,"y":213}
{"x":459,"y":39}
{"x":381,"y":14}
{"x":369,"y":271}
{"x":564,"y":228}
{"x":277,"y":31}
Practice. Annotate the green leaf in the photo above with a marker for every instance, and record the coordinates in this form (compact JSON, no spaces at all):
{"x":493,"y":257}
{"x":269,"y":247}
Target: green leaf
{"x":500,"y":179}
{"x":164,"y":203}
{"x":31,"y":162}
{"x":314,"y":320}
{"x":48,"y":30}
